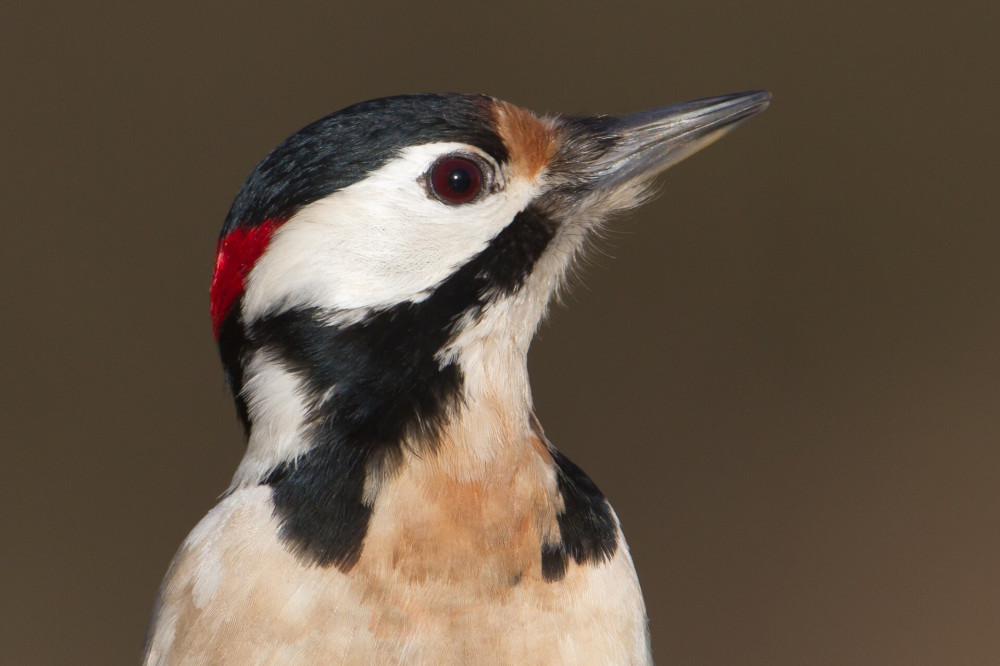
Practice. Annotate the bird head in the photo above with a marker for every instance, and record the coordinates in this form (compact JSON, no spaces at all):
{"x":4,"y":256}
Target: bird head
{"x":388,"y":265}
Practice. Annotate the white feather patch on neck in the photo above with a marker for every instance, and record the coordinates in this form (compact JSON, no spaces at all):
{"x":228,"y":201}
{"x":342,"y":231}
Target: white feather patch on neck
{"x":278,"y":413}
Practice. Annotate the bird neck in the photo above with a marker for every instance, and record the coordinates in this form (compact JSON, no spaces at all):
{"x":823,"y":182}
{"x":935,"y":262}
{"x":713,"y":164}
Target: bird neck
{"x":345,"y":422}
{"x":493,"y":421}
{"x":335,"y":412}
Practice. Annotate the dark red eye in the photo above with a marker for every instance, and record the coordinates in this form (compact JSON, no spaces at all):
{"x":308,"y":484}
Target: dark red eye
{"x":456,"y":180}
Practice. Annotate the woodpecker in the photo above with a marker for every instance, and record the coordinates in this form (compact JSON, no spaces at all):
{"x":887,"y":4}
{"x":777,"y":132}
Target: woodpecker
{"x":378,"y":281}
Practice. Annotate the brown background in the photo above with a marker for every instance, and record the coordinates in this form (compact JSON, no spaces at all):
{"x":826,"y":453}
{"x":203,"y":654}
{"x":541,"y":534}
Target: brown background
{"x":787,"y":380}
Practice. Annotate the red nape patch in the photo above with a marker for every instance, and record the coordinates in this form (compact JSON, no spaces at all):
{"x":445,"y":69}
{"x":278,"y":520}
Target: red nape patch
{"x":237,"y":253}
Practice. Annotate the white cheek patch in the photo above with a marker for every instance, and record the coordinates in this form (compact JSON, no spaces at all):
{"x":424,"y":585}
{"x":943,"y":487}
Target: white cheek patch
{"x":380,"y":241}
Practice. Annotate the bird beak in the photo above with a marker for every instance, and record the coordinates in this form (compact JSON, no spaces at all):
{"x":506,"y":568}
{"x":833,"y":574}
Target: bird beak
{"x":644,"y":144}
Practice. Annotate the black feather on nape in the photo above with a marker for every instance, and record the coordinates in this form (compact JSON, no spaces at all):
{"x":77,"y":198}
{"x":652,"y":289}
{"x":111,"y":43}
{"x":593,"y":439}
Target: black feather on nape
{"x":232,"y":344}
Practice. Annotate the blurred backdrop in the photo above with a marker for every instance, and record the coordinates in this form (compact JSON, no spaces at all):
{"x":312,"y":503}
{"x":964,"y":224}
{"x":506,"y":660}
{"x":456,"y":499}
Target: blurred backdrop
{"x":783,"y":372}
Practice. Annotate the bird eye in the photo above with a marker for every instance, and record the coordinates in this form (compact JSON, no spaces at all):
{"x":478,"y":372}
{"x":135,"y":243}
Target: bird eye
{"x":456,"y":180}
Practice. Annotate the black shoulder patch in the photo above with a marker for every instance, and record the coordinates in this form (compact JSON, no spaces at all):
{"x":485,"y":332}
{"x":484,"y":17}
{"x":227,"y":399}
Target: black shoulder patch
{"x":323,"y":517}
{"x":588,"y":528}
{"x":554,"y":561}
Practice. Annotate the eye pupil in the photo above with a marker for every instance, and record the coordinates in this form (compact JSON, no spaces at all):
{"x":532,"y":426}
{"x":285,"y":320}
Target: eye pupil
{"x":456,"y":180}
{"x":459,"y":180}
